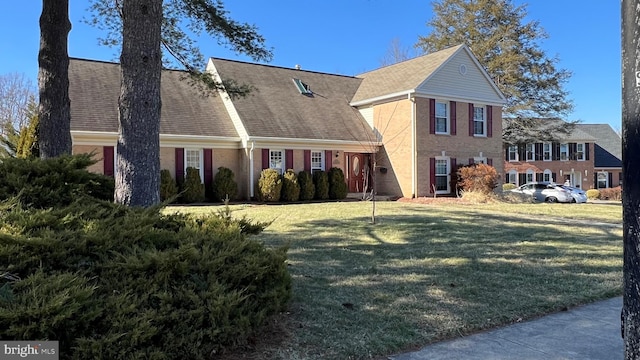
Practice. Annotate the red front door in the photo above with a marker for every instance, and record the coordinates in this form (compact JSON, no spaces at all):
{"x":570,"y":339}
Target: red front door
{"x":356,"y":172}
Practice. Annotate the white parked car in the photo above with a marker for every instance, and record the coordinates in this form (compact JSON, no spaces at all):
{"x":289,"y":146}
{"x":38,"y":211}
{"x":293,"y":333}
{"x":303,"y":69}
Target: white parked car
{"x":547,"y":192}
{"x":579,"y":195}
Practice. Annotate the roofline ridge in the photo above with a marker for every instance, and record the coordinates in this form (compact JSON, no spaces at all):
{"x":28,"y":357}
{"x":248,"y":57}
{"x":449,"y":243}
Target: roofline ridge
{"x":281,"y":67}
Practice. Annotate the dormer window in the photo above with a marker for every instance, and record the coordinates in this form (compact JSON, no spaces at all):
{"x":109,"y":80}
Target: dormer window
{"x":302,"y":87}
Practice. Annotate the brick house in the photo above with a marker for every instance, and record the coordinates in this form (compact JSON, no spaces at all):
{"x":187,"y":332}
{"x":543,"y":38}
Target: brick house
{"x":571,"y":159}
{"x":607,"y":155}
{"x":415,"y":120}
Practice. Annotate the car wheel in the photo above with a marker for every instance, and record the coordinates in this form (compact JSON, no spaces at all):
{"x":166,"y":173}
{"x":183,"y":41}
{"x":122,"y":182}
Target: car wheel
{"x":551,"y":199}
{"x":573,"y":200}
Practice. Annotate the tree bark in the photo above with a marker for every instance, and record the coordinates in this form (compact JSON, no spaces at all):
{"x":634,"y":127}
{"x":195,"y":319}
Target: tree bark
{"x":138,"y":150}
{"x":631,"y":176}
{"x":53,"y":79}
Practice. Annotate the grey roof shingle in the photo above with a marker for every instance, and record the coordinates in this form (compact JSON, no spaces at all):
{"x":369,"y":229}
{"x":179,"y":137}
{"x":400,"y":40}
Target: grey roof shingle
{"x":94,"y":87}
{"x":276,"y":108}
{"x":402,"y":76}
{"x":608,"y":149}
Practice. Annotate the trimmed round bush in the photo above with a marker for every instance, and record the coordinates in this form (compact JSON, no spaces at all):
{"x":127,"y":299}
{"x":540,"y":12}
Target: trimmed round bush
{"x":321,"y":182}
{"x":593,"y":194}
{"x":193,"y":188}
{"x":224,"y":185}
{"x":168,"y":186}
{"x":290,"y":186}
{"x":337,"y":184}
{"x":307,"y":189}
{"x":269,"y":185}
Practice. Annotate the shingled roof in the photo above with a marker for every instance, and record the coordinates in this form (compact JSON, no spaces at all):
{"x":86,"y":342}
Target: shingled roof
{"x":94,"y":87}
{"x":608,"y":149}
{"x":278,"y":108}
{"x":402,"y":76}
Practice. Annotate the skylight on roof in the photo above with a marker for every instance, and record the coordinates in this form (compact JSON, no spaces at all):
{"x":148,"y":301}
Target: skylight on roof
{"x":302,"y":87}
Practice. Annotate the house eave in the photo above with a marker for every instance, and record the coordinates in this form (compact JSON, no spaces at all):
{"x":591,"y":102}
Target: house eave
{"x":305,"y":144}
{"x":383,"y":98}
{"x":166,"y":140}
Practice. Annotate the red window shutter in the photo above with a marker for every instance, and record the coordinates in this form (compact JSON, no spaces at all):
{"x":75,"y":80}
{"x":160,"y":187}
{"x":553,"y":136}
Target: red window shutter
{"x":288,"y":155}
{"x":470,"y":119}
{"x":307,"y":160}
{"x":207,"y":155}
{"x":265,"y":159}
{"x":328,"y":162}
{"x":490,"y":162}
{"x":179,"y":165}
{"x":432,"y":116}
{"x":454,"y":175}
{"x":107,"y":159}
{"x":432,"y":174}
{"x":489,"y":121}
{"x":452,"y":106}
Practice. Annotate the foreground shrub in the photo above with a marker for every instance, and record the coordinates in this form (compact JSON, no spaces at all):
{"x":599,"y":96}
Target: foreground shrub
{"x":321,"y":183}
{"x":224,"y":185}
{"x":168,"y":186}
{"x":337,"y":184}
{"x":478,"y":178}
{"x":307,"y":189}
{"x":269,"y":185}
{"x":508,"y":186}
{"x":611,"y":193}
{"x":52,"y":182}
{"x":193,"y":188}
{"x":112,"y":282}
{"x":290,"y":186}
{"x":593,"y":194}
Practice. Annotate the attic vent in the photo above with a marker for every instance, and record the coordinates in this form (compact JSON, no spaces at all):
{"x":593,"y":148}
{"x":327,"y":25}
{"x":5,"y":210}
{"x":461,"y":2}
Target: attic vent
{"x":302,"y":87}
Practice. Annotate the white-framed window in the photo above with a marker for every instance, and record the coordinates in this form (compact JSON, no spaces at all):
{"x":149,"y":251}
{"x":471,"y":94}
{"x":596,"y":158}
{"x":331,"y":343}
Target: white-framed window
{"x":546,"y":152}
{"x":531,"y":151}
{"x":479,"y":123}
{"x":317,"y":161}
{"x":564,"y":151}
{"x":276,"y":160}
{"x":580,"y":152}
{"x":530,"y":175}
{"x":193,"y":158}
{"x":442,"y":117}
{"x":479,"y":160}
{"x":513,"y":153}
{"x":513,"y":177}
{"x":547,"y":175}
{"x":443,"y":178}
{"x":603,"y":180}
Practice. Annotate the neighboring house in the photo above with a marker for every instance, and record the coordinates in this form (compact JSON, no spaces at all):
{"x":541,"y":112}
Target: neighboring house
{"x":570,"y":159}
{"x":607,"y":155}
{"x":415,"y":120}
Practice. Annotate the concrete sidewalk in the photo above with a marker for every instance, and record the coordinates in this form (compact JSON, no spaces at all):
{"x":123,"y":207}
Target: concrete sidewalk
{"x":587,"y":332}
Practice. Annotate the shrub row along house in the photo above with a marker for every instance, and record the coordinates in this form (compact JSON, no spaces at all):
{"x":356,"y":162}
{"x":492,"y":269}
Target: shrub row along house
{"x":412,"y":122}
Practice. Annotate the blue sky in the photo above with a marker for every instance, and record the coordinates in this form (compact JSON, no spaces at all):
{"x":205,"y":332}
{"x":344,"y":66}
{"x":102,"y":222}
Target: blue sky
{"x":352,"y":36}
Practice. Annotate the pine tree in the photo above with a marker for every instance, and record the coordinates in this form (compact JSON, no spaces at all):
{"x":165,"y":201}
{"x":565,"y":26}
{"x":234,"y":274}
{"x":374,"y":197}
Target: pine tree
{"x":509,"y":49}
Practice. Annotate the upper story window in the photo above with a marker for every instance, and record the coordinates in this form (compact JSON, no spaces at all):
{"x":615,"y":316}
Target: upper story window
{"x":317,"y":161}
{"x":193,"y":158}
{"x":546,"y":151}
{"x":513,"y":153}
{"x":479,"y":123}
{"x":580,"y":152}
{"x":442,"y":118}
{"x":530,"y":150}
{"x":276,"y":160}
{"x":564,"y":151}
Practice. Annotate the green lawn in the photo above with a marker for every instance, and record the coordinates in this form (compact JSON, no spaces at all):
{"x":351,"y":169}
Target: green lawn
{"x":424,"y":273}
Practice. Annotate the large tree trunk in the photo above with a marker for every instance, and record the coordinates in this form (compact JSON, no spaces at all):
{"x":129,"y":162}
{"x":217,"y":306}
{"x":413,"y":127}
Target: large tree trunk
{"x":53,"y":79}
{"x":138,"y":151}
{"x":631,"y":173}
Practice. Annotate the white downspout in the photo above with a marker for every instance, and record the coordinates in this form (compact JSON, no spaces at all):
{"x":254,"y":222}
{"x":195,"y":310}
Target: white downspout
{"x":253,"y":143}
{"x":414,"y":173}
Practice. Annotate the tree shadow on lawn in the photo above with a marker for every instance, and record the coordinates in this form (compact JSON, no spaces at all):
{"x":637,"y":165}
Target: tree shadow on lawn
{"x":365,"y":290}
